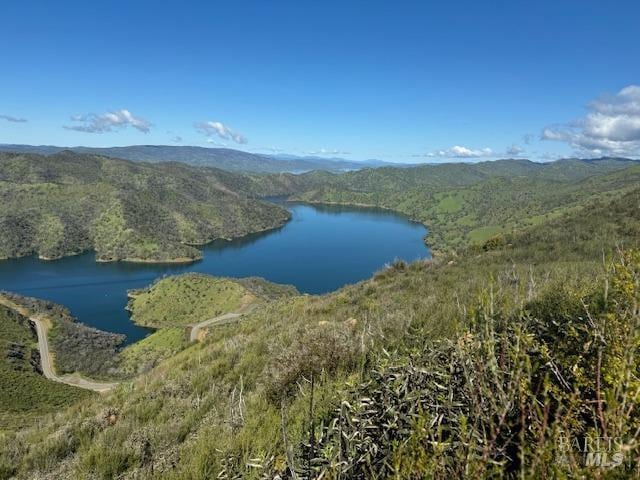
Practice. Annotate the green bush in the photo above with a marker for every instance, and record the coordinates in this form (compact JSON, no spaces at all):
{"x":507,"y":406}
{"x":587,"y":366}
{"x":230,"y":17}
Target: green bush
{"x":505,"y":397}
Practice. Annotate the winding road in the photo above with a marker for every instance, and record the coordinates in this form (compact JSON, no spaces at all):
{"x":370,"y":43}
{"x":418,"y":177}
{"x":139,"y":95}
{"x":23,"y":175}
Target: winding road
{"x":46,"y":362}
{"x":75,"y":380}
{"x":48,"y":371}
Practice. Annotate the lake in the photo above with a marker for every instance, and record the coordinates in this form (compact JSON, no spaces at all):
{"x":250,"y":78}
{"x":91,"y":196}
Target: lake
{"x":321,"y":249}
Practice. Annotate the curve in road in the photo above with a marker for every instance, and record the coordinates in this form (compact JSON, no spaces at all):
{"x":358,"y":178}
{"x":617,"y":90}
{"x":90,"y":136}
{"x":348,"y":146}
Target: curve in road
{"x":47,"y":364}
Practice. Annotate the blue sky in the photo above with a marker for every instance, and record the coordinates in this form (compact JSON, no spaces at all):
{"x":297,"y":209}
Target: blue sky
{"x":400,"y":81}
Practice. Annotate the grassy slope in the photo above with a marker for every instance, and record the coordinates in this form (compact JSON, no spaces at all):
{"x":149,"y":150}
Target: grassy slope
{"x":186,"y":299}
{"x":222,"y":405}
{"x":26,"y":394}
{"x":68,"y":203}
{"x":148,"y":352}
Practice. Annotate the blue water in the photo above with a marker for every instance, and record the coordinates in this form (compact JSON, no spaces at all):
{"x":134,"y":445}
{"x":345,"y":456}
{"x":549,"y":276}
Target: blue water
{"x":321,"y":249}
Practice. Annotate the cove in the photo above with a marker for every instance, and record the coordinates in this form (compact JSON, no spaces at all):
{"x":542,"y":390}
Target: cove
{"x":322,"y":248}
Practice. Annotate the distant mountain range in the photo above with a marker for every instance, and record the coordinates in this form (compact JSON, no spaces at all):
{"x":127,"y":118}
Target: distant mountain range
{"x":223,"y":158}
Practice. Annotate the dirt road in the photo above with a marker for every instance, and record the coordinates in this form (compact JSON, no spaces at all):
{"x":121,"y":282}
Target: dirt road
{"x":197,"y":329}
{"x":46,"y":362}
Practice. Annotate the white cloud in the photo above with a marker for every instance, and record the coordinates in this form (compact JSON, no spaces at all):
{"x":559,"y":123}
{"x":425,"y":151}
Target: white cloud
{"x":458,"y":151}
{"x":12,"y":119}
{"x":211,"y":129}
{"x":610,"y":127}
{"x":107,"y":122}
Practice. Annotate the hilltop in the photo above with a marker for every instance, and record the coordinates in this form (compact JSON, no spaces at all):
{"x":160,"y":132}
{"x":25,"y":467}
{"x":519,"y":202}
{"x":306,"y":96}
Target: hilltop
{"x":68,"y":203}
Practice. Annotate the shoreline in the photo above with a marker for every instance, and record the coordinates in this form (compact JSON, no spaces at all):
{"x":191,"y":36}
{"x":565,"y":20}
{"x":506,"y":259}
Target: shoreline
{"x":361,"y":205}
{"x":177,"y":260}
{"x":169,"y":261}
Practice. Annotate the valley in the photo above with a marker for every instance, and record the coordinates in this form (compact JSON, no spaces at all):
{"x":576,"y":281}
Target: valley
{"x":524,"y":253}
{"x":326,"y":240}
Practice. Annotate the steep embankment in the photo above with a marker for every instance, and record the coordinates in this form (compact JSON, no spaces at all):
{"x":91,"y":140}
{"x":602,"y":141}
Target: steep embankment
{"x":68,"y":203}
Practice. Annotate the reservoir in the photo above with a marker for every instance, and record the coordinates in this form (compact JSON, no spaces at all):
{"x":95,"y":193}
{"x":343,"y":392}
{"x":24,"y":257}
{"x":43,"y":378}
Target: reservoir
{"x":322,"y":248}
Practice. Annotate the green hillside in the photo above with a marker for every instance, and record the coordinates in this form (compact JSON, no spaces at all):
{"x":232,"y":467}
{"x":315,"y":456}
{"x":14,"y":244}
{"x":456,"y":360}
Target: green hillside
{"x":68,"y":203}
{"x":462,"y":204}
{"x":414,"y":372}
{"x":223,"y":158}
{"x":193,"y":297}
{"x":174,"y":303}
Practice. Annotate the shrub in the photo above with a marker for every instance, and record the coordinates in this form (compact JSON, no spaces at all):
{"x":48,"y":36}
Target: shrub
{"x":513,"y":396}
{"x":325,"y":348}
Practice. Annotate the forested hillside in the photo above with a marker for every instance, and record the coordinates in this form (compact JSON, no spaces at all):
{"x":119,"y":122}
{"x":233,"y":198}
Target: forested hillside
{"x":463,"y":204}
{"x":25,"y":393}
{"x":68,"y":203}
{"x":474,"y":365}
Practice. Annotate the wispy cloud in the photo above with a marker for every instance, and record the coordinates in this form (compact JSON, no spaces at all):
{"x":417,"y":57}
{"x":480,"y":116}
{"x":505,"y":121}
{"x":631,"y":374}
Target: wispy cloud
{"x":458,"y":151}
{"x":611,"y":126}
{"x":325,"y":151}
{"x":216,"y":143}
{"x":12,"y":119}
{"x":109,"y":121}
{"x":514,"y":150}
{"x":213,"y":129}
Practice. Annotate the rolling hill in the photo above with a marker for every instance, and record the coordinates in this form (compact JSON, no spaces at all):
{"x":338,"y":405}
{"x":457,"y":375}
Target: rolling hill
{"x":463,"y":204}
{"x":223,"y":158}
{"x":409,"y":374}
{"x":67,"y":203}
